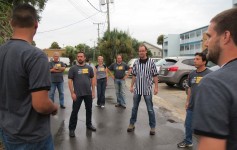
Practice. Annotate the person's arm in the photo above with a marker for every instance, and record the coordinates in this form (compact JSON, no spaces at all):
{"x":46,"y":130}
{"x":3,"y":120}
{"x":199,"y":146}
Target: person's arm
{"x":209,"y":143}
{"x":132,"y":84}
{"x":93,"y":80}
{"x":70,"y":85}
{"x":155,"y":78}
{"x":107,"y":75}
{"x":188,"y":98}
{"x":95,"y":71}
{"x":128,"y":73}
{"x":110,"y":73}
{"x":42,"y":104}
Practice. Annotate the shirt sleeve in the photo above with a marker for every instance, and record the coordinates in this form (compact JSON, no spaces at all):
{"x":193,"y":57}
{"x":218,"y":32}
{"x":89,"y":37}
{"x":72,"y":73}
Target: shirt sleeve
{"x":111,"y":67}
{"x":154,"y":69}
{"x":134,"y":69}
{"x":211,"y":109}
{"x":91,"y":72}
{"x":50,"y":65}
{"x":39,"y":72}
{"x":62,"y":64}
{"x":70,"y":73}
{"x":189,"y":80}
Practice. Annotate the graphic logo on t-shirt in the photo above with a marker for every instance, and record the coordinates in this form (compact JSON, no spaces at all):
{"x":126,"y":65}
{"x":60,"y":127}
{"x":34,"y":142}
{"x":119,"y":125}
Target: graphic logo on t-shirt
{"x":119,"y":68}
{"x":83,"y":71}
{"x":101,"y":69}
{"x":196,"y":80}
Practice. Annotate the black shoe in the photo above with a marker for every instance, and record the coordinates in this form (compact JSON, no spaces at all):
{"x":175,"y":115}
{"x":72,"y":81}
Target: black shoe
{"x":91,"y":127}
{"x":71,"y":133}
{"x":62,"y":106}
{"x":123,"y":106}
{"x":117,"y":105}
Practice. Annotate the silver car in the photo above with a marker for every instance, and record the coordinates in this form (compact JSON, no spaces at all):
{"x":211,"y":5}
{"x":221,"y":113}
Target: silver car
{"x":175,"y":70}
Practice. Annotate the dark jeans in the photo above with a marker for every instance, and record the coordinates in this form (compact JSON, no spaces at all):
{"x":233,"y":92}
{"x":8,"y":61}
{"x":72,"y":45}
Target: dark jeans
{"x":46,"y":144}
{"x":75,"y":109}
{"x":101,"y":86}
{"x":188,"y":127}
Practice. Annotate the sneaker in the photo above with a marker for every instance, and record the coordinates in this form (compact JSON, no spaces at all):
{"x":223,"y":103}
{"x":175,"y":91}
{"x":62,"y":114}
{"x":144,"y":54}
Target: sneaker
{"x":123,"y":106}
{"x":102,"y":106}
{"x":117,"y":105}
{"x":183,"y":144}
{"x":153,"y":131}
{"x":131,"y":128}
{"x":71,"y":133}
{"x":97,"y":105}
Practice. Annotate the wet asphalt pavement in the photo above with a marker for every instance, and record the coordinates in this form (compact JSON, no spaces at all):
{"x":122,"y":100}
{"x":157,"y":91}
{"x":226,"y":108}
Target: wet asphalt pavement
{"x":112,"y":122}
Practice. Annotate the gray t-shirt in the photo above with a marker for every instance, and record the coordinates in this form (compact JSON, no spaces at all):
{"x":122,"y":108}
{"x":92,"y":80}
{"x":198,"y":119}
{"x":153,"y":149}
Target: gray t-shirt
{"x":100,"y":71}
{"x":81,"y":76}
{"x":194,"y":79}
{"x":24,"y":69}
{"x":56,"y":76}
{"x":215,"y":112}
{"x":119,"y":69}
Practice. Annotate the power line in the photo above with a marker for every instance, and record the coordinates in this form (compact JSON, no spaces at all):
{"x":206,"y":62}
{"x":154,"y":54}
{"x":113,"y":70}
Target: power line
{"x":69,"y":24}
{"x":95,"y":7}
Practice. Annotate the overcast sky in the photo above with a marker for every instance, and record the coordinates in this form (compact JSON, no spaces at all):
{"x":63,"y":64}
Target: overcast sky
{"x":70,"y":22}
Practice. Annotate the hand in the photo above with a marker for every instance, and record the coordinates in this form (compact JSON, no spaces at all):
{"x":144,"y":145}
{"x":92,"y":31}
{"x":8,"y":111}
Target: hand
{"x":74,"y":96}
{"x":155,"y":91}
{"x":55,"y":111}
{"x":93,"y":94}
{"x":131,"y":89}
{"x":186,"y":105}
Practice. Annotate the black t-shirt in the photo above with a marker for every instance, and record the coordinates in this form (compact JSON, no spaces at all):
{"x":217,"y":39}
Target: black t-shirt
{"x":24,"y":69}
{"x":215,"y":112}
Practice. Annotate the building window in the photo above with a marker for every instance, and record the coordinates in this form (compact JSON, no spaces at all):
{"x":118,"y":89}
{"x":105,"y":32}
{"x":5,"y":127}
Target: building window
{"x":198,"y":33}
{"x":192,"y":34}
{"x":154,"y":53}
{"x":192,"y":47}
{"x":197,"y":46}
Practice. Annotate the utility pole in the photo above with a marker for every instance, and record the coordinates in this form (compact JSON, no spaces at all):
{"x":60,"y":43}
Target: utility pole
{"x":98,"y":24}
{"x":102,"y":2}
{"x":107,"y":2}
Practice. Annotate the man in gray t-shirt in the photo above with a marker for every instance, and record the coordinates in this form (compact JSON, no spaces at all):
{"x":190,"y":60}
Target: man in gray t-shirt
{"x":215,"y":111}
{"x":194,"y":79}
{"x":81,"y":84}
{"x":119,"y":76}
{"x":24,"y":83}
{"x":57,"y":68}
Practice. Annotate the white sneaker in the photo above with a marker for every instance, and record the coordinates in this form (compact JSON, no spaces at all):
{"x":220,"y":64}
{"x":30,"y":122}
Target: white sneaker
{"x":102,"y":106}
{"x":97,"y":105}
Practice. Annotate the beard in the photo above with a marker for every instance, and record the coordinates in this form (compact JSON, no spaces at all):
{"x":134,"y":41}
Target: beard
{"x":213,"y":54}
{"x":80,"y":62}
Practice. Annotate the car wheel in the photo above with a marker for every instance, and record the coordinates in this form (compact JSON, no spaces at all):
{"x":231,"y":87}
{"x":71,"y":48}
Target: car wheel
{"x":170,"y":84}
{"x":183,"y":82}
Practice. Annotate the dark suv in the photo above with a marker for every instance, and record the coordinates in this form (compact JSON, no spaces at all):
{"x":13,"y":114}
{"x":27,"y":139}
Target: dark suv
{"x":175,"y":70}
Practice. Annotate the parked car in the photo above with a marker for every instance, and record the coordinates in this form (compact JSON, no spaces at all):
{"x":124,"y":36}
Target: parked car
{"x":175,"y":70}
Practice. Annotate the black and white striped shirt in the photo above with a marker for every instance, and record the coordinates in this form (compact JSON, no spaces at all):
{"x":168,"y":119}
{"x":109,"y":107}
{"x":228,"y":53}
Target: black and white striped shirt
{"x":144,"y":73}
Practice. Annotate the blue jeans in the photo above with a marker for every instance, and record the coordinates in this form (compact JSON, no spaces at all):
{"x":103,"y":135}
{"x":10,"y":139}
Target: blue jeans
{"x":75,"y":109}
{"x":120,"y":91}
{"x":188,"y":127}
{"x":149,"y":105}
{"x":101,"y":86}
{"x":59,"y":86}
{"x":46,"y":144}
